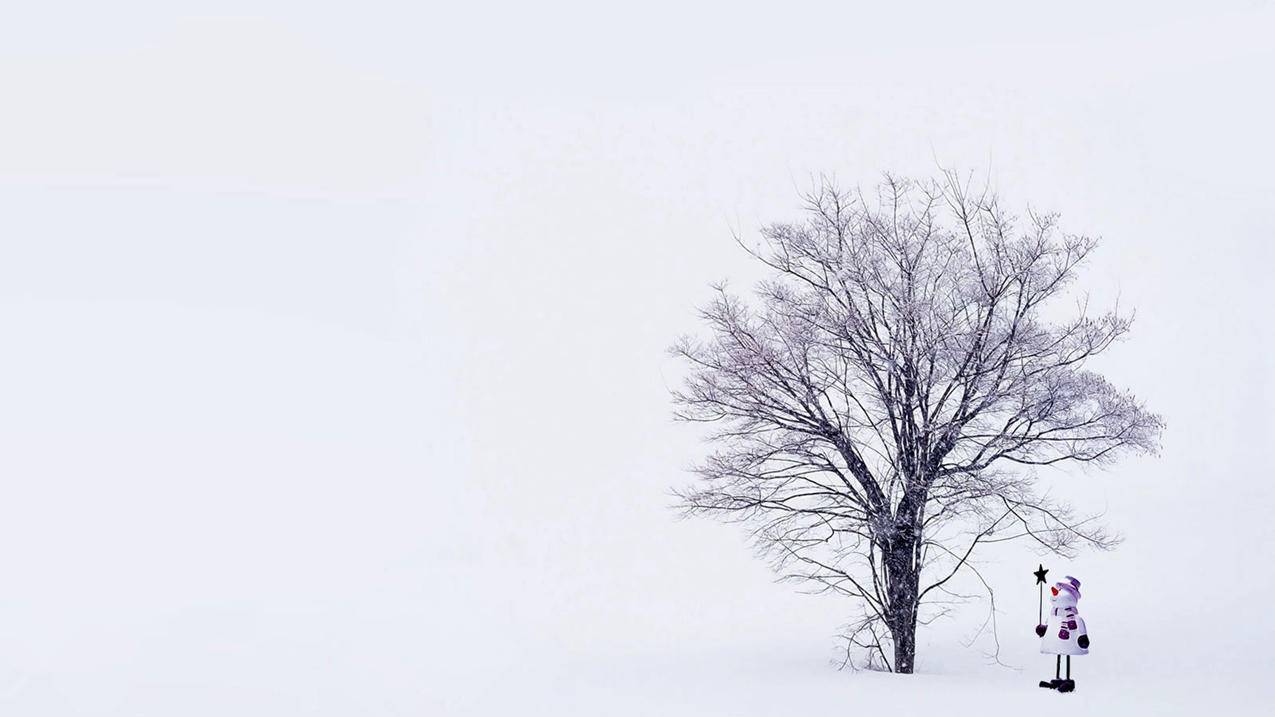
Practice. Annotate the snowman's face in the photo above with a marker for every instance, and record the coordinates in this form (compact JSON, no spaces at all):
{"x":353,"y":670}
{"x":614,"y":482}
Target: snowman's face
{"x":1058,"y":597}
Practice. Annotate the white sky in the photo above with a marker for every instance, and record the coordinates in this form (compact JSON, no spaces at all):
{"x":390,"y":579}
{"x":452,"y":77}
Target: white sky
{"x":333,"y":376}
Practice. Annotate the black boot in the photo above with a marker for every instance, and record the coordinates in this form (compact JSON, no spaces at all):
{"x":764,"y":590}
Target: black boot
{"x":1051,"y":684}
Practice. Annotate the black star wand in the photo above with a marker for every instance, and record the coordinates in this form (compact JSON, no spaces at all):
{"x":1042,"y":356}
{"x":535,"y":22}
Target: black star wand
{"x":1040,"y":585}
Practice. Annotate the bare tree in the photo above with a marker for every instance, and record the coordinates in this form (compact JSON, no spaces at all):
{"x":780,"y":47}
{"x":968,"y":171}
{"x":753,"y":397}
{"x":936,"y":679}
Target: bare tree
{"x":880,"y":409}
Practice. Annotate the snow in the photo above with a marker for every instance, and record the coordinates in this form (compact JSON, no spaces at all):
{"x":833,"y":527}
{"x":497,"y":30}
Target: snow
{"x":332,"y":374}
{"x":701,"y":688}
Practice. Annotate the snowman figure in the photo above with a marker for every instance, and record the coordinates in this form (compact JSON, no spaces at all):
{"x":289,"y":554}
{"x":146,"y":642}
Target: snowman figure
{"x":1065,"y":634}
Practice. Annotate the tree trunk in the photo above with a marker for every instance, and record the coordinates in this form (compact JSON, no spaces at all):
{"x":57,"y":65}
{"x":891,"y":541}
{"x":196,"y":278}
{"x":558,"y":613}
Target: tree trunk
{"x":904,"y":634}
{"x":904,"y":579}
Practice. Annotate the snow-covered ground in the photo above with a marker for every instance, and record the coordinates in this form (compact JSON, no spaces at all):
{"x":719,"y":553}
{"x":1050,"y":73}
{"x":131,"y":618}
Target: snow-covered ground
{"x":332,"y":373}
{"x":749,"y":685}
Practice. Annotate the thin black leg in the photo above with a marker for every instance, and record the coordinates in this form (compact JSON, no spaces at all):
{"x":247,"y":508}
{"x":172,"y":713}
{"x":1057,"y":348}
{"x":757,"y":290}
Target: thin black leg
{"x":1069,"y":667}
{"x":1054,"y":683}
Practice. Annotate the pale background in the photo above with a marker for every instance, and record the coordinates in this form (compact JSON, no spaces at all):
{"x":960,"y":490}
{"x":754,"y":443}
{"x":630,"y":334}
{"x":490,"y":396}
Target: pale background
{"x":332,"y":378}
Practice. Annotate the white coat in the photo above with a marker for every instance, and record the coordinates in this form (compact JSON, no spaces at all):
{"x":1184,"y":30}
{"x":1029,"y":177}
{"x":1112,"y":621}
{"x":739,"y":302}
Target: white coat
{"x":1065,"y":626}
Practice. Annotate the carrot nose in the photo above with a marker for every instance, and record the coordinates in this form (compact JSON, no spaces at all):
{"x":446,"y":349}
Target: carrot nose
{"x":1053,"y":591}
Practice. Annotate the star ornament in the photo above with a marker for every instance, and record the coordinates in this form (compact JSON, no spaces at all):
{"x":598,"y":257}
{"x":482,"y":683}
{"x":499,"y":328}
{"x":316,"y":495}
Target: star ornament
{"x":1040,"y":574}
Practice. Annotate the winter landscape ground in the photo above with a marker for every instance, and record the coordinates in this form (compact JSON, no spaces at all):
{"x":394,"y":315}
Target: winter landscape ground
{"x":334,"y":381}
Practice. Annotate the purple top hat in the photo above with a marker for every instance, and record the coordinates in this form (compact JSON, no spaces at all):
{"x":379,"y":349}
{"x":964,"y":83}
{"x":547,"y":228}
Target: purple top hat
{"x":1071,"y":585}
